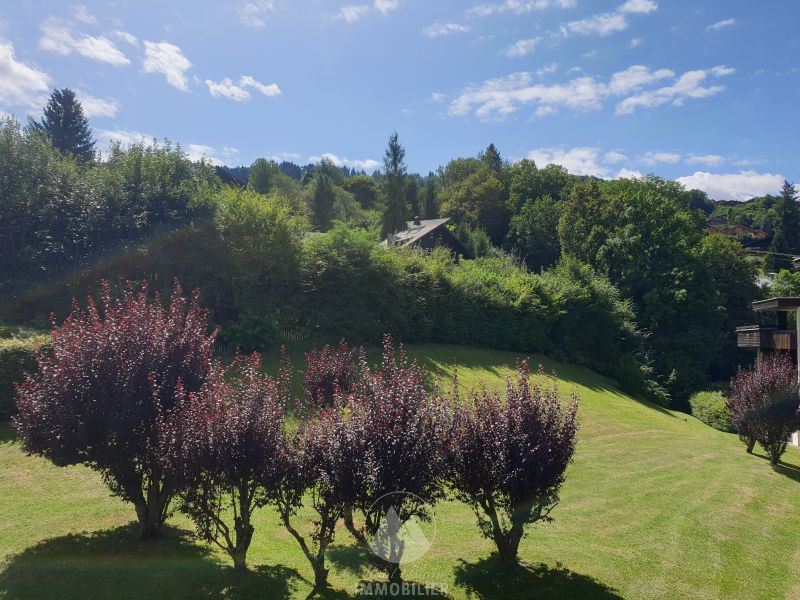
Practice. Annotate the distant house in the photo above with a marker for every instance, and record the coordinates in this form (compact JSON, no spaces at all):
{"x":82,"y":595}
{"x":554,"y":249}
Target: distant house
{"x":428,"y":234}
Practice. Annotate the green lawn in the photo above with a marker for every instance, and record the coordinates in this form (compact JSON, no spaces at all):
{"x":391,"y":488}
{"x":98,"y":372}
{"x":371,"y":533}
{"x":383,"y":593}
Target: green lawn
{"x":656,"y":505}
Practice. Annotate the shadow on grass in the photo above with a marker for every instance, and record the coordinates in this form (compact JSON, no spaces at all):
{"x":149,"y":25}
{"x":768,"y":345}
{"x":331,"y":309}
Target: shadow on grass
{"x":488,"y":579}
{"x":789,"y":471}
{"x":7,"y":433}
{"x":354,"y":560}
{"x":115,"y":564}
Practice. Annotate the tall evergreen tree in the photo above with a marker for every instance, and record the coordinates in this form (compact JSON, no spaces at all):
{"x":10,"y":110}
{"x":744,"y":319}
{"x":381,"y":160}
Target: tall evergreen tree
{"x":430,"y":204}
{"x":492,"y":159}
{"x":65,"y":123}
{"x":786,"y":238}
{"x":396,"y":210}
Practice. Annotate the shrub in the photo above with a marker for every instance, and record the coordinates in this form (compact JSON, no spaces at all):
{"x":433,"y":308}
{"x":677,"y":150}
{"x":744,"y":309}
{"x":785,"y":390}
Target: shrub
{"x":508,"y":457}
{"x":712,"y":409}
{"x":329,"y":371}
{"x":17,"y":356}
{"x":95,"y":396}
{"x":764,"y":404}
{"x":225,"y":445}
{"x":404,"y":432}
{"x":328,"y":470}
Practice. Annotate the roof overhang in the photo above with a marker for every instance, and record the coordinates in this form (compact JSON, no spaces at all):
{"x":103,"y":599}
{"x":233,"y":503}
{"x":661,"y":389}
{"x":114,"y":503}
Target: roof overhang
{"x":783,"y":304}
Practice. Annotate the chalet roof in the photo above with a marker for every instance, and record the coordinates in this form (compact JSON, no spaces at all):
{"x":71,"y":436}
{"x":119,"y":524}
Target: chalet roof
{"x":416,"y":230}
{"x":783,"y":304}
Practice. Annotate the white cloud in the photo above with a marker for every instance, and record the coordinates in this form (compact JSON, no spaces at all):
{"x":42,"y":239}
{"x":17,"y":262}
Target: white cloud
{"x":611,"y":22}
{"x":522,"y":47}
{"x":498,"y":98}
{"x":721,"y":24}
{"x":722,"y":70}
{"x":386,"y":6}
{"x":167,"y":59}
{"x":267,"y":89}
{"x":653,"y":158}
{"x":602,"y":25}
{"x":442,"y":29}
{"x":253,"y":14}
{"x":127,"y":37}
{"x":629,"y":174}
{"x":580,"y":161}
{"x":20,"y":84}
{"x":237,"y":92}
{"x":58,"y":36}
{"x":711,"y":160}
{"x":733,"y":186}
{"x":688,"y":85}
{"x":210,"y":154}
{"x":124,"y":136}
{"x":518,"y":7}
{"x":82,"y":14}
{"x":640,"y":7}
{"x":547,"y":70}
{"x":366,"y":164}
{"x":98,"y":107}
{"x":613,"y":157}
{"x":438,"y":97}
{"x":636,"y":42}
{"x":352,"y":13}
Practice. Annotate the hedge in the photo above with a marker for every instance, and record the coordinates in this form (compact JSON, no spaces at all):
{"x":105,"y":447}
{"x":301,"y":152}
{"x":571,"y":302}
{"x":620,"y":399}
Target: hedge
{"x":17,"y":355}
{"x":711,"y":409}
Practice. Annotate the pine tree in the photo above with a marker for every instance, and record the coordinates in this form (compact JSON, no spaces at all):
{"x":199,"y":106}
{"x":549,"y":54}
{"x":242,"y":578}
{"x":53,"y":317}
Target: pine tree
{"x":396,"y":211}
{"x":64,"y":122}
{"x":492,"y":159}
{"x":786,"y":238}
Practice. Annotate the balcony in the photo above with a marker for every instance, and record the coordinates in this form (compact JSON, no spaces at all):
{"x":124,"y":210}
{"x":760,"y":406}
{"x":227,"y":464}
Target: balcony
{"x":766,"y":338}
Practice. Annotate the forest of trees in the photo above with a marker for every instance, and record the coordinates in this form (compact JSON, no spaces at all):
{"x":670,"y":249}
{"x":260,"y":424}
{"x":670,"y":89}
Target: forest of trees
{"x":620,"y":275}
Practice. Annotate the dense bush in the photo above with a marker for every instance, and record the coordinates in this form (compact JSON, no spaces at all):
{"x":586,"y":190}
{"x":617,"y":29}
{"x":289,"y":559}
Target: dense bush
{"x":329,"y":371}
{"x":765,"y":404}
{"x":17,"y":356}
{"x":712,"y":409}
{"x":95,"y":397}
{"x":352,"y":287}
{"x":225,"y":448}
{"x":508,"y":456}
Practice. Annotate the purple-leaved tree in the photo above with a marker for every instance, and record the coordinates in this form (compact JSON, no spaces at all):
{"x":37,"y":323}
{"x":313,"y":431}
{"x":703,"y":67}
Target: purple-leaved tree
{"x":225,"y":446}
{"x":97,"y":391}
{"x":508,"y":456}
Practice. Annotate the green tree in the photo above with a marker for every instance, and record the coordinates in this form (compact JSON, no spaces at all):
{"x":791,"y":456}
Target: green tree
{"x":64,"y":122}
{"x":786,"y":238}
{"x":396,"y":209}
{"x":262,"y":175}
{"x":364,"y":189}
{"x":412,"y":198}
{"x":534,"y":233}
{"x":322,"y":195}
{"x":430,"y":202}
{"x":492,"y":159}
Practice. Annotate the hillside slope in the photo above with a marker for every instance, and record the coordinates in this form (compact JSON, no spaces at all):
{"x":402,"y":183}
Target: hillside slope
{"x":656,"y":505}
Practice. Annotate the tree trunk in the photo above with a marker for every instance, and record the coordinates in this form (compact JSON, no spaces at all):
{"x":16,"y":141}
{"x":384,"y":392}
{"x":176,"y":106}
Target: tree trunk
{"x":151,"y":511}
{"x":239,"y":556}
{"x":348,"y":523}
{"x":320,"y":576}
{"x":751,"y":444}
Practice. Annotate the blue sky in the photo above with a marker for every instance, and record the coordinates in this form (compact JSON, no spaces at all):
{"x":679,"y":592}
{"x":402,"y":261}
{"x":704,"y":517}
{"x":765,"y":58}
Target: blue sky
{"x":702,"y":91}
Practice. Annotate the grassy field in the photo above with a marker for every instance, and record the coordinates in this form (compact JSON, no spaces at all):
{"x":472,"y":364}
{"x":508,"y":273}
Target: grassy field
{"x":656,"y":505}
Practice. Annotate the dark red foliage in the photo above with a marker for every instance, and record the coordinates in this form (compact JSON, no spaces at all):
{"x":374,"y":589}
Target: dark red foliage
{"x":226,"y":446}
{"x":508,"y":456}
{"x":764,"y":404}
{"x":404,"y":431}
{"x":96,"y":393}
{"x":330,"y":371}
{"x":329,"y":471}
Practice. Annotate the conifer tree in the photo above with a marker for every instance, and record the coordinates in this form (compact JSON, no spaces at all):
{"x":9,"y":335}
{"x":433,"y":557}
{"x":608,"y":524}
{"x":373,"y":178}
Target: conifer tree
{"x":396,"y":210}
{"x":66,"y":125}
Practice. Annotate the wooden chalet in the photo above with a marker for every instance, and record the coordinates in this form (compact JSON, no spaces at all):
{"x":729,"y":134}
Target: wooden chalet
{"x":428,"y":234}
{"x":774,"y":338}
